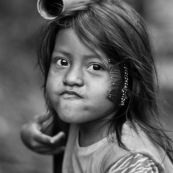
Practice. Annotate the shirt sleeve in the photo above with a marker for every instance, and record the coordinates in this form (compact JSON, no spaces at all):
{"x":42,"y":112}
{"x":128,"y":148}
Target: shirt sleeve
{"x":134,"y":163}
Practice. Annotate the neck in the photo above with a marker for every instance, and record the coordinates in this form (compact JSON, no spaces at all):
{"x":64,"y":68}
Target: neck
{"x":92,"y":132}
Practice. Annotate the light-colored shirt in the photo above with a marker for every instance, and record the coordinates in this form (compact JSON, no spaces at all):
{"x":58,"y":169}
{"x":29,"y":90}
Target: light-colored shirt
{"x":105,"y":156}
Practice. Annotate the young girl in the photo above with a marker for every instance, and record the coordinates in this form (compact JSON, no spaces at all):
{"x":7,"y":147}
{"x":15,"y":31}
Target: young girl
{"x":99,"y":78}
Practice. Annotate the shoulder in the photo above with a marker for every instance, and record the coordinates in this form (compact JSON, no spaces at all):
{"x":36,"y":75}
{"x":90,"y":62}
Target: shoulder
{"x":137,"y":141}
{"x":135,"y":163}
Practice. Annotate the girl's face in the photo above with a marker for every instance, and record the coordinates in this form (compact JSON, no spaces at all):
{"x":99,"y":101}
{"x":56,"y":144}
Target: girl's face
{"x":78,"y":81}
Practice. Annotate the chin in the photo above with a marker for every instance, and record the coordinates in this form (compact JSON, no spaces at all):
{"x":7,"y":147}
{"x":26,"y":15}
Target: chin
{"x":70,"y":118}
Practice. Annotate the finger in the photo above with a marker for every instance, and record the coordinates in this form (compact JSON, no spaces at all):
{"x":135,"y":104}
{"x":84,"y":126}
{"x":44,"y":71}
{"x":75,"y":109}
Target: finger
{"x":42,"y":138}
{"x":34,"y":145}
{"x":60,"y":150}
{"x":48,"y":151}
{"x":57,"y":138}
{"x":38,"y":135}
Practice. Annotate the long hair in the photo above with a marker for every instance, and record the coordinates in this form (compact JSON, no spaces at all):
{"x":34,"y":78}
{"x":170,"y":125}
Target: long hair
{"x":116,"y":29}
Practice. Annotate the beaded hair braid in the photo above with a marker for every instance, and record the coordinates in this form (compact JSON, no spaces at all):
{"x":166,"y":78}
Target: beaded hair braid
{"x":125,"y":87}
{"x":112,"y":93}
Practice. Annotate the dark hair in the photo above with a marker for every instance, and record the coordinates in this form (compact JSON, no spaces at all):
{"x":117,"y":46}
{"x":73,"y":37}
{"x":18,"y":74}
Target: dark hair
{"x":116,"y":29}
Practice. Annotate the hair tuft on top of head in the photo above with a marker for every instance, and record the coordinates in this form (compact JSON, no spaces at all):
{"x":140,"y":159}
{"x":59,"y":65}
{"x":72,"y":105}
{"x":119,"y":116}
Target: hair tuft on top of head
{"x":51,"y":9}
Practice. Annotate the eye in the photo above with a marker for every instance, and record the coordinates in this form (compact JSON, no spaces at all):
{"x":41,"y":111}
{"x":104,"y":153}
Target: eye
{"x":95,"y":67}
{"x":62,"y":62}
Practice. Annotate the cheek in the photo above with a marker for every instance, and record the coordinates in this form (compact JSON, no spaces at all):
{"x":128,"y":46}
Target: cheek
{"x":100,"y":96}
{"x":102,"y":105}
{"x":99,"y":91}
{"x":53,"y":86}
{"x":102,"y":88}
{"x":99,"y":106}
{"x":50,"y":84}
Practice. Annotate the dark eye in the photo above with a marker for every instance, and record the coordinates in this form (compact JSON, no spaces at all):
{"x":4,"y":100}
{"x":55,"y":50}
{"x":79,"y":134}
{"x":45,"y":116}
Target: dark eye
{"x":62,"y":62}
{"x":95,"y":67}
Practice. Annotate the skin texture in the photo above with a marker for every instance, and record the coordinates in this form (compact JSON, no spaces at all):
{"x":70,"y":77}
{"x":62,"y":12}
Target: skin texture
{"x":77,"y":86}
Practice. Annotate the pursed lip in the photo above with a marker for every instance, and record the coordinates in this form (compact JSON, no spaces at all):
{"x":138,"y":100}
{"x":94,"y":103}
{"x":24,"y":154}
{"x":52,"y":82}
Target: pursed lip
{"x":71,"y":94}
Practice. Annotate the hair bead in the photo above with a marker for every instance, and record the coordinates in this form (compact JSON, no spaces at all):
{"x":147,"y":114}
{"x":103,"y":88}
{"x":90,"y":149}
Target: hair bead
{"x":125,"y":87}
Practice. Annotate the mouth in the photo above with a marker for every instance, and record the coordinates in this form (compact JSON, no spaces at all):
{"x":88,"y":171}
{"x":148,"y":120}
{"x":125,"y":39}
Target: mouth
{"x":70,"y":95}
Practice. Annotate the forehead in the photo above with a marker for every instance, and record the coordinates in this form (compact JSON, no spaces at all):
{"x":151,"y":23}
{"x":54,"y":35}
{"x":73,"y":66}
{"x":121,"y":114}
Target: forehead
{"x":68,"y":41}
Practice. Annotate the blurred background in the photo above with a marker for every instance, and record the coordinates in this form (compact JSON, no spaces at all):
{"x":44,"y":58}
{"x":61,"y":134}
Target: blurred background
{"x":20,"y":79}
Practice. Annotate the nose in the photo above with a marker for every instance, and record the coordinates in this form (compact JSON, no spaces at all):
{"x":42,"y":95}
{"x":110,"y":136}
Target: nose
{"x":74,"y":76}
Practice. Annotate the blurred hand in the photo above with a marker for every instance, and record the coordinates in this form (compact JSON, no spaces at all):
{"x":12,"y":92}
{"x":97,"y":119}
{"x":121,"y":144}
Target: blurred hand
{"x":36,"y":138}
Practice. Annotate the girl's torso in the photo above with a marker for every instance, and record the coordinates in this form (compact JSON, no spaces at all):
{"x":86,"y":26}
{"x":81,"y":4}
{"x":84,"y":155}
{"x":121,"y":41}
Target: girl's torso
{"x":106,"y":155}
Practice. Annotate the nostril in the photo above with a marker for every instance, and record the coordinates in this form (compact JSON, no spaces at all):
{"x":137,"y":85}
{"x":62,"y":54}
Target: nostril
{"x":72,"y":82}
{"x":73,"y":77}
